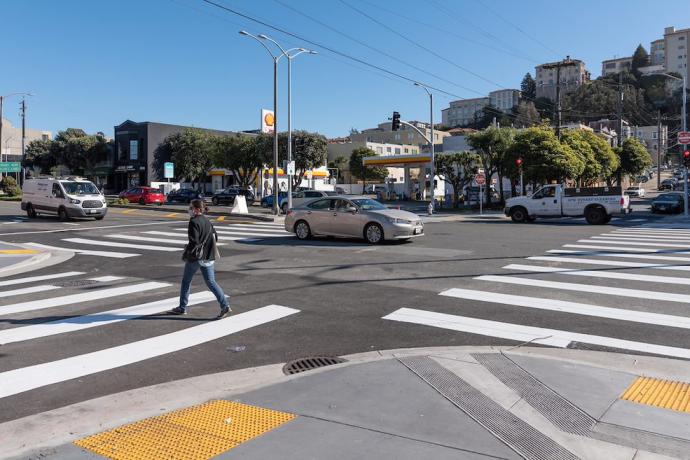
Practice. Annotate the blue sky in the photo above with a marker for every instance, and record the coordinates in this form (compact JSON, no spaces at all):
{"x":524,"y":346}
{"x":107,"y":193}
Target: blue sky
{"x":93,"y":64}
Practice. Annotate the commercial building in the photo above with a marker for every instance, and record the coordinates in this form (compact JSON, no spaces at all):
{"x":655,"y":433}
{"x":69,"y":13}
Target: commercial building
{"x":614,"y":66}
{"x":343,"y":147}
{"x":573,"y":74}
{"x":138,"y":160}
{"x":11,"y":142}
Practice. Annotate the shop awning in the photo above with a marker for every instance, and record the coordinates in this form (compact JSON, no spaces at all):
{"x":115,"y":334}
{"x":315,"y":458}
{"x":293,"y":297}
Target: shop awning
{"x":396,"y":160}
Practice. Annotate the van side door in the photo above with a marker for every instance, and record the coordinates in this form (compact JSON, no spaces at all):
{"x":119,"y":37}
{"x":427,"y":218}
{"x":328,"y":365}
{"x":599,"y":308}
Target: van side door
{"x":57,"y":196}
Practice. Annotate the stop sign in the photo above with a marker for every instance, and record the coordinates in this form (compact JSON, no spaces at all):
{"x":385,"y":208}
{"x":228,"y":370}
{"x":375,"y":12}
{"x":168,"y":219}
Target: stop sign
{"x":684,"y":137}
{"x":480,"y":179}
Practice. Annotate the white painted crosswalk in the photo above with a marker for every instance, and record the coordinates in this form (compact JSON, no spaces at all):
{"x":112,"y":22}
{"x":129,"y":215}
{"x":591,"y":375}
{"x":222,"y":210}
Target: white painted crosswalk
{"x":633,"y":255}
{"x":119,"y":245}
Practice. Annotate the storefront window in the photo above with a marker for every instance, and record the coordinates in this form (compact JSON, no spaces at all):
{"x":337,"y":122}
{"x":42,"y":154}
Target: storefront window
{"x":133,"y":149}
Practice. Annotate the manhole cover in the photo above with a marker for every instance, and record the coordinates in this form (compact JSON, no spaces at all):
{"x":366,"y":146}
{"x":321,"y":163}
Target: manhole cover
{"x":306,"y":364}
{"x":76,"y":283}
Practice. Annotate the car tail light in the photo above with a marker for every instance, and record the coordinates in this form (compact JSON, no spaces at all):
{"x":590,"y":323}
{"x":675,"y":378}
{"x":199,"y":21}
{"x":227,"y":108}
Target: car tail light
{"x":622,"y":201}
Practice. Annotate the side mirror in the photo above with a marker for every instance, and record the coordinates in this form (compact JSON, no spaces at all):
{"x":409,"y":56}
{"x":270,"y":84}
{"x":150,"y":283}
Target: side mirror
{"x":351,"y":210}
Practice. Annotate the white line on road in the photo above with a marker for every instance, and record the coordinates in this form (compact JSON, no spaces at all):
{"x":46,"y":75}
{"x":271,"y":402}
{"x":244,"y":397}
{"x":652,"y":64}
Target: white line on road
{"x":619,"y":248}
{"x":78,"y":323}
{"x":640,"y":237}
{"x":619,"y":255}
{"x":220,"y":237}
{"x":31,"y":279}
{"x":119,"y":245}
{"x":245,"y":233}
{"x":650,"y":234}
{"x":153,"y":240}
{"x":575,"y":308}
{"x":653,"y":230}
{"x":166,"y":222}
{"x":633,"y":243}
{"x":29,"y":290}
{"x":81,"y":297}
{"x":600,"y":274}
{"x":28,"y":378}
{"x":106,"y":279}
{"x":612,"y":263}
{"x":241,"y":227}
{"x":520,"y":333}
{"x":635,"y":293}
{"x":86,"y":252}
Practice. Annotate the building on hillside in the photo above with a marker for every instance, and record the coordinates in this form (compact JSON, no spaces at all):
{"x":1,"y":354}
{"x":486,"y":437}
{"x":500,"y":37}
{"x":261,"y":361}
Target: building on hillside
{"x":463,"y":111}
{"x":657,"y":53}
{"x":11,"y":142}
{"x":573,"y":75}
{"x":384,"y":134}
{"x":505,"y":99}
{"x":137,"y":150}
{"x":608,"y":128}
{"x":616,"y":65}
{"x":457,"y":143}
{"x":653,"y":140}
{"x":579,"y":126}
{"x":676,"y":50}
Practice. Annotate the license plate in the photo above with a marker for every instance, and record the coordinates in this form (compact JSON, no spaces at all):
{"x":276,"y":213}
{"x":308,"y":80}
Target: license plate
{"x":92,"y":211}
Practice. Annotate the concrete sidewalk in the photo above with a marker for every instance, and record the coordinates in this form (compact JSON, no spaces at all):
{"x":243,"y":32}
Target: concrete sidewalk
{"x":16,"y":258}
{"x":450,"y":403}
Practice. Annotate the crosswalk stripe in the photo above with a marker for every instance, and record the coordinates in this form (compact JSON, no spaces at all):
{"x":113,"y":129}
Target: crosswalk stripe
{"x":634,"y":243}
{"x":650,"y":233}
{"x":622,"y":292}
{"x":620,"y":255}
{"x":154,"y":240}
{"x":31,"y":279}
{"x":620,"y":248}
{"x":106,"y":279}
{"x":119,"y":245}
{"x":29,"y":290}
{"x":639,"y":237}
{"x":253,"y":227}
{"x":653,"y":230}
{"x":259,"y":225}
{"x":28,"y":378}
{"x":78,"y":323}
{"x":220,"y":237}
{"x":245,"y":233}
{"x":521,"y":333}
{"x":570,"y":307}
{"x":86,"y":252}
{"x":80,"y":297}
{"x":600,"y":274}
{"x":612,"y":263}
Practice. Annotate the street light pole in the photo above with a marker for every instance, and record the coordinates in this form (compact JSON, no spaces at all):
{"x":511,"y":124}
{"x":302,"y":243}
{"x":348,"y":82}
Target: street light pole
{"x":432,"y":174}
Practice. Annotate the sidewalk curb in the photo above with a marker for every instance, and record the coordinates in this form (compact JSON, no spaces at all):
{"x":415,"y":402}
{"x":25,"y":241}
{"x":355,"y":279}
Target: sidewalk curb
{"x":259,"y":217}
{"x":46,"y":430}
{"x":45,"y":259}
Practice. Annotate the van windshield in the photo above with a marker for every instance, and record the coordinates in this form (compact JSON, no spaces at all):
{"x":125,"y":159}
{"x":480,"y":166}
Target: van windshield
{"x":80,"y":188}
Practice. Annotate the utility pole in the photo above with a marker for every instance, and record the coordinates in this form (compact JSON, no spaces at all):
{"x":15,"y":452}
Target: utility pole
{"x":658,"y":149}
{"x":558,"y":101}
{"x":620,"y":109}
{"x":23,"y":138}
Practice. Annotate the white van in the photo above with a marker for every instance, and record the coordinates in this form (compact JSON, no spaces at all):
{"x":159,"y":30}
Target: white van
{"x":65,"y":198}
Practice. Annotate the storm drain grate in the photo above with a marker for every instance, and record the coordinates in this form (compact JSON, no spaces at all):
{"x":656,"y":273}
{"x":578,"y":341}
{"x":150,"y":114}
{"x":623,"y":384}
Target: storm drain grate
{"x":547,"y":402}
{"x":76,"y":283}
{"x":314,"y":362}
{"x":523,"y":438}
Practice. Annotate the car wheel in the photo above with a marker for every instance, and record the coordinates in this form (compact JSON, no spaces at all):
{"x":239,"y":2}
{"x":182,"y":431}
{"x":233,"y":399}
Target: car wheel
{"x":62,"y":214}
{"x":284,"y":208}
{"x":142,"y":202}
{"x":595,"y":216}
{"x":302,"y":230}
{"x":160,"y":203}
{"x":214,"y":201}
{"x":373,"y":233}
{"x":30,"y":211}
{"x":519,"y":215}
{"x":99,"y":217}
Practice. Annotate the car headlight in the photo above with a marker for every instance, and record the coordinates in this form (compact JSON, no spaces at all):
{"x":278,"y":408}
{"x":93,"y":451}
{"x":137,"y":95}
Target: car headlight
{"x":73,"y":201}
{"x":395,"y":220}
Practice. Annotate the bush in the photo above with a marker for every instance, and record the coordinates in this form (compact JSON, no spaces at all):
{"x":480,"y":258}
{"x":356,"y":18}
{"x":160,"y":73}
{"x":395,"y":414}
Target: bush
{"x":13,"y":190}
{"x":8,"y":181}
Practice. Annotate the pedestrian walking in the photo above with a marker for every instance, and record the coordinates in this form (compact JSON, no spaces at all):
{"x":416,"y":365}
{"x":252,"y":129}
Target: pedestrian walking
{"x":200,"y":254}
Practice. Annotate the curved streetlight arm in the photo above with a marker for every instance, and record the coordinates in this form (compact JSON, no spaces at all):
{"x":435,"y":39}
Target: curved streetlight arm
{"x":424,"y":87}
{"x":245,"y":33}
{"x":282,"y":50}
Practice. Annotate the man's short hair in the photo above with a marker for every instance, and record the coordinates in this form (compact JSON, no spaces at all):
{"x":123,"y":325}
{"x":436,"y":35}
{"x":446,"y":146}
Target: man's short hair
{"x":198,"y":204}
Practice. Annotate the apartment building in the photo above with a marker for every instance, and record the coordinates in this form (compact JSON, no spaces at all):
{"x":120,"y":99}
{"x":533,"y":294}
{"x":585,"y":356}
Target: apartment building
{"x":676,"y":50}
{"x":464,"y":111}
{"x":573,"y":74}
{"x":614,"y":66}
{"x":505,"y":99}
{"x":649,"y":136}
{"x":657,"y":53}
{"x":384,"y":134}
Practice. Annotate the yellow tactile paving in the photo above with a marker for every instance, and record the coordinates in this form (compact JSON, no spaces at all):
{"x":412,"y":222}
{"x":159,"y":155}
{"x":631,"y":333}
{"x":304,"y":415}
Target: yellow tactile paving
{"x":195,"y":433}
{"x":19,"y":251}
{"x":667,"y":394}
{"x":172,"y":214}
{"x":221,"y":219}
{"x":129,"y":211}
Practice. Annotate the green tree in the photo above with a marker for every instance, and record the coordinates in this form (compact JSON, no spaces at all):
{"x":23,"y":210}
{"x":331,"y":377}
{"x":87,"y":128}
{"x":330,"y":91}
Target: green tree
{"x":579,"y":143}
{"x":492,"y":144}
{"x":192,"y":154}
{"x":39,"y":157}
{"x":457,"y":170}
{"x":640,"y":59}
{"x":634,"y":158}
{"x":309,"y":151}
{"x":526,"y":115}
{"x":240,"y":154}
{"x":603,"y":154}
{"x":528,"y":87}
{"x":357,"y":169}
{"x":544,"y":158}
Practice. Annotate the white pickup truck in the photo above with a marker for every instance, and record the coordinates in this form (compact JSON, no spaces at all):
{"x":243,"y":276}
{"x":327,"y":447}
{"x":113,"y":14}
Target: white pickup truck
{"x":597,"y":204}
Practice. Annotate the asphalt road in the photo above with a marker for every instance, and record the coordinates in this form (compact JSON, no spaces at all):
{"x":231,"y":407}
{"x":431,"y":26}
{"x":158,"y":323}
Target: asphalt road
{"x":293,"y":299}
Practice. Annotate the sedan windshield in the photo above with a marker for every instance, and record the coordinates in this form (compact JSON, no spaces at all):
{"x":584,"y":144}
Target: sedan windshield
{"x":80,"y":188}
{"x":368,"y":204}
{"x":668,"y":197}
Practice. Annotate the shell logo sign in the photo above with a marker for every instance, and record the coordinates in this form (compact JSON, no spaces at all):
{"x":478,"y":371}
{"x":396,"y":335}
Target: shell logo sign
{"x":268,"y":121}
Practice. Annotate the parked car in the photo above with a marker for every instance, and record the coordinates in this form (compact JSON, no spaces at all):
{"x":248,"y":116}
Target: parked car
{"x":668,"y":184}
{"x":227,"y":196}
{"x":304,"y":197}
{"x":65,"y":198}
{"x":143,"y":195}
{"x":267,"y":201}
{"x":641,"y":179}
{"x":668,"y":202}
{"x":184,"y":195}
{"x":352,"y":217}
{"x":635,"y":190}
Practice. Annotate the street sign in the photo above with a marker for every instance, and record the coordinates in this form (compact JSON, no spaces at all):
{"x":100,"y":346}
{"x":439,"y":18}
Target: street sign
{"x":168,"y":170}
{"x":291,"y":168}
{"x":10,"y":167}
{"x":684,"y":137}
{"x":480,"y":170}
{"x":480,"y":179}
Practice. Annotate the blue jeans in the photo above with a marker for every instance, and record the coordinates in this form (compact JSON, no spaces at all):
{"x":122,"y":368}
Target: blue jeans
{"x":209,"y":274}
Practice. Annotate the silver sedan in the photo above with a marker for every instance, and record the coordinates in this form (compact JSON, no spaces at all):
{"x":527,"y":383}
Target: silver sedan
{"x":352,"y":217}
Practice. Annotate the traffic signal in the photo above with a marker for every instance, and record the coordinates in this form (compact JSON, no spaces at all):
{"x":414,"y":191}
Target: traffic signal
{"x":686,"y":158}
{"x":518,"y":162}
{"x":396,"y":121}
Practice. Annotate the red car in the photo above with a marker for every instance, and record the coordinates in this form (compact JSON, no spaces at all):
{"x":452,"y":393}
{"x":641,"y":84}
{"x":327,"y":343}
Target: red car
{"x":143,"y":195}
